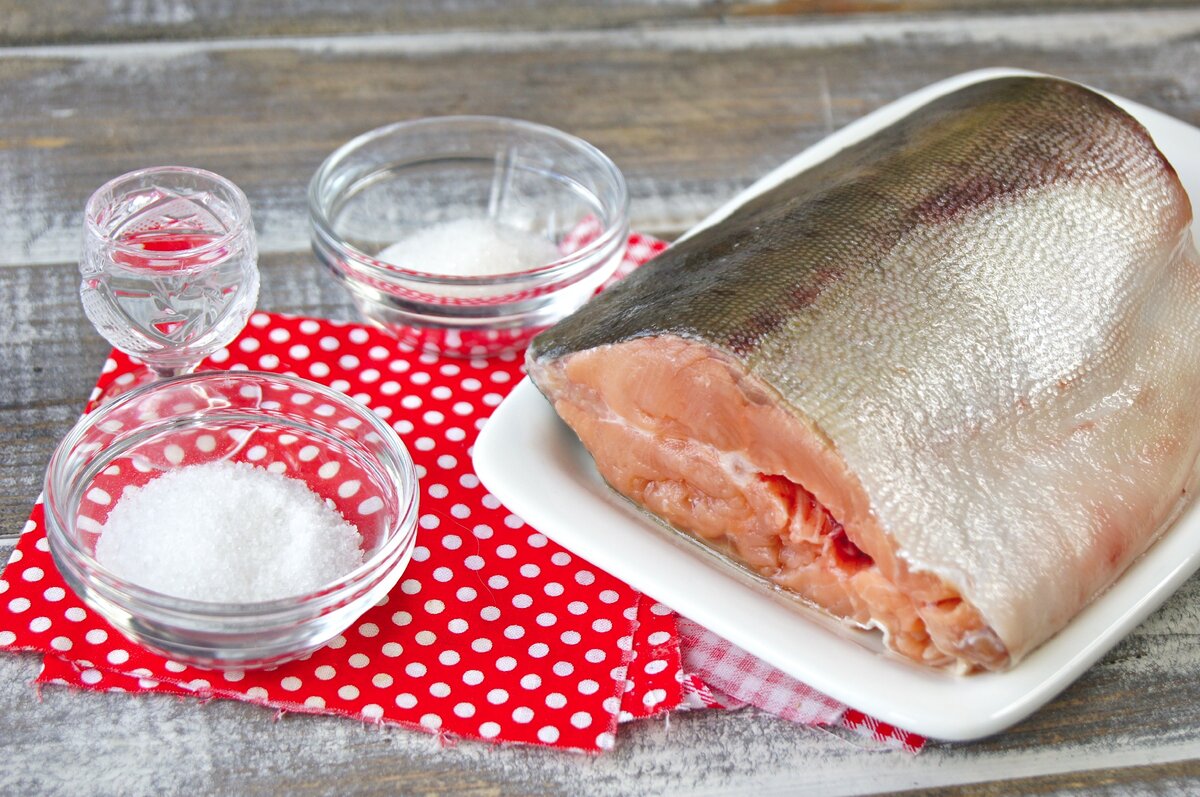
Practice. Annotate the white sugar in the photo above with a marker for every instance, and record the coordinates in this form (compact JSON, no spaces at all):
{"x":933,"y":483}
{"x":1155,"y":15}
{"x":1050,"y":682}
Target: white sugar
{"x":227,"y":532}
{"x":470,"y":248}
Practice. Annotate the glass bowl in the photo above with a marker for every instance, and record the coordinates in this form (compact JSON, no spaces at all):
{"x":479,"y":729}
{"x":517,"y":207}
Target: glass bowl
{"x":339,"y":449}
{"x":395,"y":182}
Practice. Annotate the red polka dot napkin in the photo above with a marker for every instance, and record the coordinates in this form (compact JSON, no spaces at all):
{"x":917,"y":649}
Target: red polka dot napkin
{"x":494,"y":632}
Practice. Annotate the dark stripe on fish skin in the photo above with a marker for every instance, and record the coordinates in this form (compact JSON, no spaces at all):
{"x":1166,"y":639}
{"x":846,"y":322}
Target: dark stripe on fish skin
{"x":748,"y":277}
{"x":773,"y":316}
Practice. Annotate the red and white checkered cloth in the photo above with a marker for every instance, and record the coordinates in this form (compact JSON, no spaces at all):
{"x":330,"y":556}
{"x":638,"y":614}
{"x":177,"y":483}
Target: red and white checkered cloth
{"x":710,"y":662}
{"x":724,"y":666}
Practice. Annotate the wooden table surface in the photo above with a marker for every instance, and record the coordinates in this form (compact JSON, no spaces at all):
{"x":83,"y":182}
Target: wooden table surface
{"x":693,"y":99}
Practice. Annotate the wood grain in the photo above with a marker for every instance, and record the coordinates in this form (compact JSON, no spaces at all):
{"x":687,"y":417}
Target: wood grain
{"x":69,"y":21}
{"x":1176,"y":777}
{"x":689,"y":114}
{"x":693,"y":100}
{"x":689,"y":125}
{"x":1131,"y":725}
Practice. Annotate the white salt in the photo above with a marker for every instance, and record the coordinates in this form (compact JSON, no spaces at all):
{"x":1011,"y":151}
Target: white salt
{"x":227,"y":532}
{"x":470,"y":248}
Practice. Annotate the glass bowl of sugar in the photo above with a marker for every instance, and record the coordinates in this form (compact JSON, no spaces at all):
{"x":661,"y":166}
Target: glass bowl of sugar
{"x":466,"y":235}
{"x":231,"y":519}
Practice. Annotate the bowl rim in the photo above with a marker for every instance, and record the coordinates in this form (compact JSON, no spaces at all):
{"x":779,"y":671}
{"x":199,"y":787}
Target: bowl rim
{"x":331,"y":593}
{"x":240,"y":207}
{"x":613,"y":233}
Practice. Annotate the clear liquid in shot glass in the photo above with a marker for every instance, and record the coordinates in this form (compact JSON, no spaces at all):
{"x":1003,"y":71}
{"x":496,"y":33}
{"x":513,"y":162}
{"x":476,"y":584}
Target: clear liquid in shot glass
{"x":169,"y":272}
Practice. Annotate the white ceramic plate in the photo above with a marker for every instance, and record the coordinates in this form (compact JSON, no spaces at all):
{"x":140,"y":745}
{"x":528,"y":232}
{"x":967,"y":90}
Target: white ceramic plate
{"x":533,"y":463}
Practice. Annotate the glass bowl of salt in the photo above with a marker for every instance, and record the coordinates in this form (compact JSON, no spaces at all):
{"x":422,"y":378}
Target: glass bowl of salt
{"x":466,"y":235}
{"x":231,"y":519}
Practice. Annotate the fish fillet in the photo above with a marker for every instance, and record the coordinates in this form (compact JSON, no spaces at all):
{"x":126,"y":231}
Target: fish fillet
{"x":943,"y":384}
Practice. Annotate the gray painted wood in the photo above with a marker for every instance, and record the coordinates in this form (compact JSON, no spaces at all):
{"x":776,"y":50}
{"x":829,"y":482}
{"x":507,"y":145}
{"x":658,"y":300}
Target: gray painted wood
{"x":690,"y":113}
{"x":692,"y":110}
{"x":1130,"y":725}
{"x":51,"y":21}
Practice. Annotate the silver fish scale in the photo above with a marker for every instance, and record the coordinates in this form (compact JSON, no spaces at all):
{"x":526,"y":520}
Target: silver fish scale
{"x":992,"y":310}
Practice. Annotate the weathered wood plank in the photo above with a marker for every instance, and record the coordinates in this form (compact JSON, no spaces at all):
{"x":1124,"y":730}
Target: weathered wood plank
{"x":688,"y":123}
{"x":70,"y":21}
{"x":1131,"y":725}
{"x":691,"y":111}
{"x":690,"y":114}
{"x":1176,"y":777}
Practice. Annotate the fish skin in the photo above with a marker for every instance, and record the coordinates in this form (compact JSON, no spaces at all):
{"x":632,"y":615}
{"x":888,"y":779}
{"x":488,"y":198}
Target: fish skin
{"x":991,"y":309}
{"x":881,"y":187}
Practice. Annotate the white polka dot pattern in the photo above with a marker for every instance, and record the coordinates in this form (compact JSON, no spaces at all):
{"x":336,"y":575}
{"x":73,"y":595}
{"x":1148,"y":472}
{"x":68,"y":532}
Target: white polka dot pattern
{"x":494,"y":631}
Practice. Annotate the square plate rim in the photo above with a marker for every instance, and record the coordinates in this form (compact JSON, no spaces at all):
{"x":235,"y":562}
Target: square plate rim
{"x":530,"y":461}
